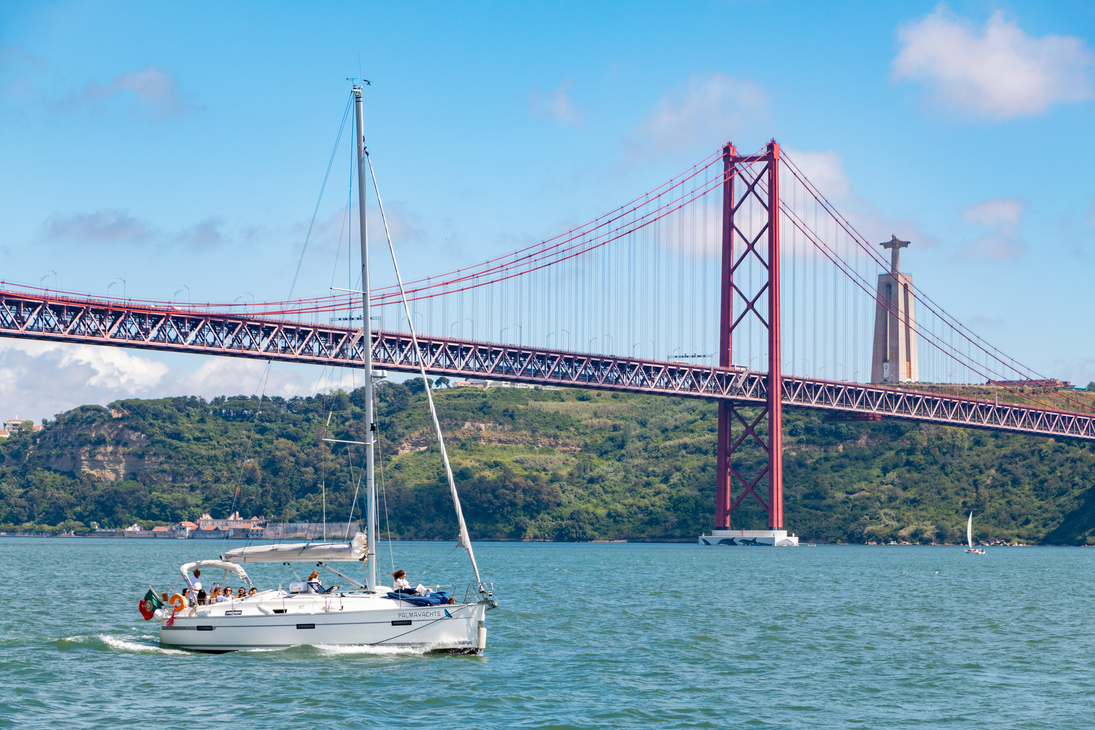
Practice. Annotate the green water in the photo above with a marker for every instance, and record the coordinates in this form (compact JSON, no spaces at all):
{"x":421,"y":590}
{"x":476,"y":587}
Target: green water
{"x":586,"y":635}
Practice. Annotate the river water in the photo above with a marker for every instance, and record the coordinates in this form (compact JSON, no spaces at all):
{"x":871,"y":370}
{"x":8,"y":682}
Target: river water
{"x":586,"y":635}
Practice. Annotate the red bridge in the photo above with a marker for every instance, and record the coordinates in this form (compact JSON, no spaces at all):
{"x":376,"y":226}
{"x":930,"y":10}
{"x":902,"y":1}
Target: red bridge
{"x":744,"y":238}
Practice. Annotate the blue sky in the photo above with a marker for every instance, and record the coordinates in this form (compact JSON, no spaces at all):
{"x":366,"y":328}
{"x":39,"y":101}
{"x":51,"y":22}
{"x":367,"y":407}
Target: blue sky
{"x":181,"y":147}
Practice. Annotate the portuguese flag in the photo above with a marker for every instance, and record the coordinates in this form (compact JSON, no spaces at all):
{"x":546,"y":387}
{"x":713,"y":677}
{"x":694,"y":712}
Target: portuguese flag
{"x":149,"y":603}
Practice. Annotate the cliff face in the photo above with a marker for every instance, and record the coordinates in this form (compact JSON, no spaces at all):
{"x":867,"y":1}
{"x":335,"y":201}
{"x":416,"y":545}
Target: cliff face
{"x":104,"y":451}
{"x":104,"y":464}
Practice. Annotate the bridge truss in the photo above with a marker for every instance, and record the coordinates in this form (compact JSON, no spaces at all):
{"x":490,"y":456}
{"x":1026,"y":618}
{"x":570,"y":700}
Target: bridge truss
{"x":95,"y":322}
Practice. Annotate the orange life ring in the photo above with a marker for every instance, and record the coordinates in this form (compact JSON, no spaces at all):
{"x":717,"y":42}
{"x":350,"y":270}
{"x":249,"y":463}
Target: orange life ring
{"x":145,"y":609}
{"x":177,"y":602}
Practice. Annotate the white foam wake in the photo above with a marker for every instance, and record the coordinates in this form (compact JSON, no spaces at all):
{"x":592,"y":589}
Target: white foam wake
{"x":135,"y":644}
{"x":349,"y":650}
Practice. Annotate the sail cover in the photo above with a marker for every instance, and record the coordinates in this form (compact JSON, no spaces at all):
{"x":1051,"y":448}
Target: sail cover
{"x":300,"y":552}
{"x":216,"y":564}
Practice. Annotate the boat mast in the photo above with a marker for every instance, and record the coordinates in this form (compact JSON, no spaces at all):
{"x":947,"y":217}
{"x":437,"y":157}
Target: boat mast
{"x":367,"y":333}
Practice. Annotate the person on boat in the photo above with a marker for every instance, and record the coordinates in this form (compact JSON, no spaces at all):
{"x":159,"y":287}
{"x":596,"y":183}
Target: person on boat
{"x":201,"y":598}
{"x":227,"y":593}
{"x":242,"y":593}
{"x":315,"y":585}
{"x":195,"y":582}
{"x":400,"y":584}
{"x":216,"y":596}
{"x":253,"y":591}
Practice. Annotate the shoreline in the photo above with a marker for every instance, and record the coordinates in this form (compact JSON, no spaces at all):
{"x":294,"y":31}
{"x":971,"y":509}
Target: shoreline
{"x":488,"y":540}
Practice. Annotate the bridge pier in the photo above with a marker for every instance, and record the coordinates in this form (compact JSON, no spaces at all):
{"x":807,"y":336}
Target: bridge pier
{"x":758,"y":176}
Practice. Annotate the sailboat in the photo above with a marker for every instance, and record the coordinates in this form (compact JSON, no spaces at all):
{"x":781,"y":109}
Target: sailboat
{"x":969,"y":538}
{"x":354,"y":613}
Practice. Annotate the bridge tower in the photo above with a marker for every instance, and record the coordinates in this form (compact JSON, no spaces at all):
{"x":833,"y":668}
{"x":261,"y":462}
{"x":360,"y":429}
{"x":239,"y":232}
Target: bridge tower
{"x":750,"y":178}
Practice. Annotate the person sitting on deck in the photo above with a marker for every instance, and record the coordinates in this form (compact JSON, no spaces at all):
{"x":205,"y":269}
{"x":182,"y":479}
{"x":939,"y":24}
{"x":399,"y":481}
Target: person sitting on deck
{"x":253,"y":591}
{"x":242,"y":593}
{"x":201,"y":598}
{"x":315,"y":585}
{"x":226,"y":593}
{"x":400,"y":584}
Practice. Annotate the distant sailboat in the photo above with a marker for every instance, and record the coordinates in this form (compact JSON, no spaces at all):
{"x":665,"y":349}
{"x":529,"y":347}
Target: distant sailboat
{"x":969,"y":538}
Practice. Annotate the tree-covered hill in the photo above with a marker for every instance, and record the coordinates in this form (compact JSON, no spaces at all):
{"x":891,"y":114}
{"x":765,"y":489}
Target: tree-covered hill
{"x":534,"y":464}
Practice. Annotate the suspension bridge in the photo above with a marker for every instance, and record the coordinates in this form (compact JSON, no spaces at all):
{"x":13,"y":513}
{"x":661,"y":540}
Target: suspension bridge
{"x":736,"y":281}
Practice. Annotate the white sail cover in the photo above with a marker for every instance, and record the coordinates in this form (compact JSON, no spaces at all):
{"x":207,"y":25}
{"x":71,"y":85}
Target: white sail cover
{"x":216,"y":564}
{"x":300,"y":552}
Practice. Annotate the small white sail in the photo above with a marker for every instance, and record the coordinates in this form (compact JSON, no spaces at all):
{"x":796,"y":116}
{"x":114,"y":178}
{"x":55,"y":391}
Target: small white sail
{"x":969,"y":531}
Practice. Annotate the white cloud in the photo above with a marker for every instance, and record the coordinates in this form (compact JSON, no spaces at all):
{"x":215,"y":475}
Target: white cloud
{"x":1001,"y":241}
{"x":109,"y":226}
{"x":154,"y":90}
{"x":41,"y":379}
{"x":204,"y":235}
{"x":824,"y":169}
{"x":705,"y":112}
{"x":996,"y":212}
{"x":223,"y":376}
{"x":114,"y":368}
{"x":556,"y":105}
{"x":997,"y":71}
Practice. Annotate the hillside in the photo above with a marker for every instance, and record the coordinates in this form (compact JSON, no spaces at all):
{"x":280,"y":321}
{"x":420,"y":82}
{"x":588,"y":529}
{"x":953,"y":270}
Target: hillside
{"x":534,"y":464}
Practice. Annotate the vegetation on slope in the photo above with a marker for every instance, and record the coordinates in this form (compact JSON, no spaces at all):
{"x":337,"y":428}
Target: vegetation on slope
{"x":535,"y":464}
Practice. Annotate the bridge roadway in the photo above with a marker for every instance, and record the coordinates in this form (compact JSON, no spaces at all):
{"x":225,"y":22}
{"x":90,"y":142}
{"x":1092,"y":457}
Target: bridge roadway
{"x":121,"y":324}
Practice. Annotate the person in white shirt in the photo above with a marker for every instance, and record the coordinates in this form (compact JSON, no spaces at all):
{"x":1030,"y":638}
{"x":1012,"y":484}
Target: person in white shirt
{"x":315,"y":585}
{"x":400,"y":584}
{"x":195,"y":584}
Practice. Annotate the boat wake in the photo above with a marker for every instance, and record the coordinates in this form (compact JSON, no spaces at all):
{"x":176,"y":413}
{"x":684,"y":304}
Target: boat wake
{"x":361,"y":650}
{"x":136,"y":644}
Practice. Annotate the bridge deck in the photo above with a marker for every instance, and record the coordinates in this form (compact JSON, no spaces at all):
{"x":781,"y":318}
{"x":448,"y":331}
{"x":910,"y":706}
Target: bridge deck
{"x":116,"y":324}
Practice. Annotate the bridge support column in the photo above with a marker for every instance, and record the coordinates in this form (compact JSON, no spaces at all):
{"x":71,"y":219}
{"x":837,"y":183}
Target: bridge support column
{"x":750,"y":180}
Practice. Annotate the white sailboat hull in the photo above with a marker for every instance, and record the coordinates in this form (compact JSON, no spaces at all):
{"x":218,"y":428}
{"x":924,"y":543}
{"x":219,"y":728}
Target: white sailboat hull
{"x":343,"y":620}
